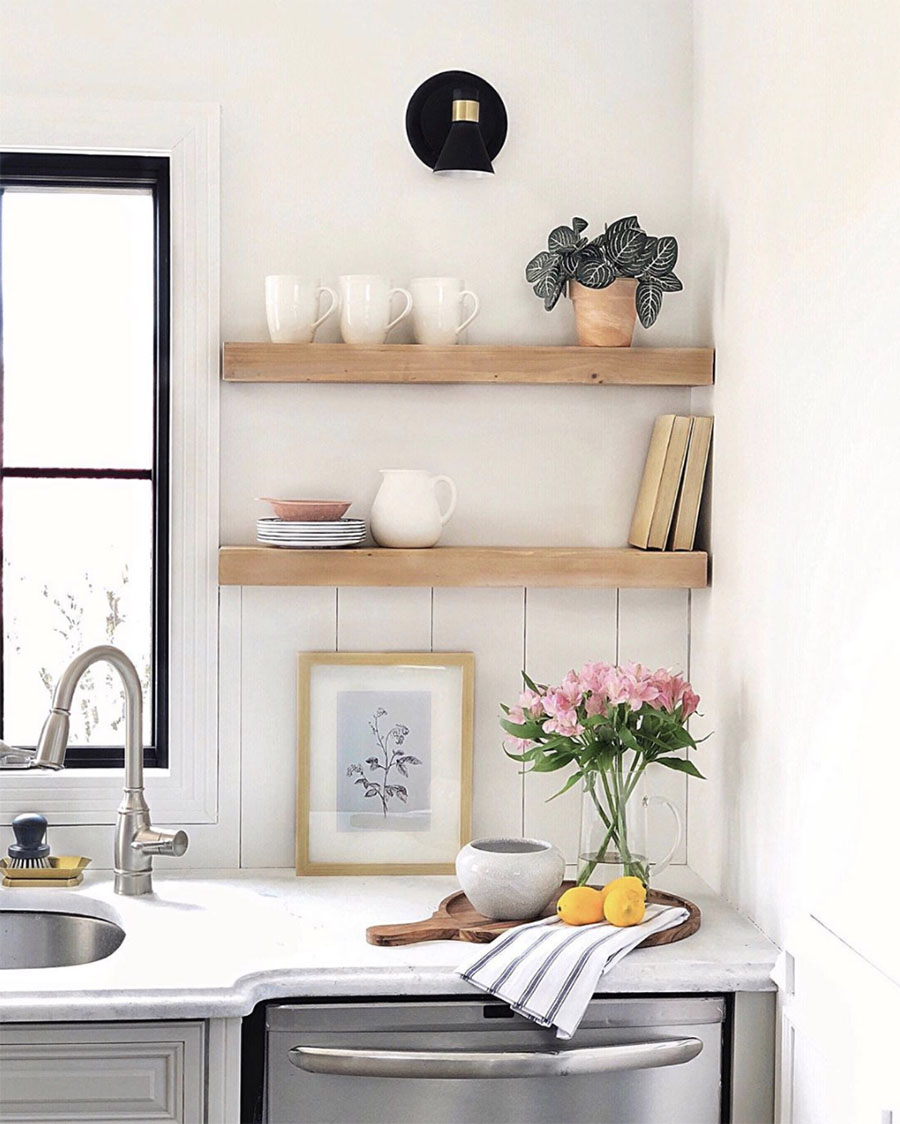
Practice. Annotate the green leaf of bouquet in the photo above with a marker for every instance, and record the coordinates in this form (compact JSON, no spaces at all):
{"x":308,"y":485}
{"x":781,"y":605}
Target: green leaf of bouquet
{"x":530,"y":683}
{"x":573,"y":780}
{"x":551,"y":763}
{"x":681,"y":766}
{"x":528,"y":730}
{"x":629,"y":739}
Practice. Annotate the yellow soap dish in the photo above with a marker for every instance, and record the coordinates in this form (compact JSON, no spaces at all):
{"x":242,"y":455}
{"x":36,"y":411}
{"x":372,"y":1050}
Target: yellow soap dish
{"x":64,"y":870}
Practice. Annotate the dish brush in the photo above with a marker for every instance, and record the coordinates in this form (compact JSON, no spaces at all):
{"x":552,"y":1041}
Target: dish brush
{"x":29,"y":850}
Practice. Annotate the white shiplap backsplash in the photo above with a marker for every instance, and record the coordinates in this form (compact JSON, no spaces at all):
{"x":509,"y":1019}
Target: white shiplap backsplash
{"x":547,"y":631}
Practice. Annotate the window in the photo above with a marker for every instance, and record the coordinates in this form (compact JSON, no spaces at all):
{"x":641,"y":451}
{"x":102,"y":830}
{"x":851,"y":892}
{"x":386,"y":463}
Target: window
{"x":84,"y":440}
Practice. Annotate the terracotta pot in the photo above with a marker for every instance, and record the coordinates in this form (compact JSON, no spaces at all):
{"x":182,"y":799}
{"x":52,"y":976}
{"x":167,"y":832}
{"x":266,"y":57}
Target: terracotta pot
{"x":604,"y":317}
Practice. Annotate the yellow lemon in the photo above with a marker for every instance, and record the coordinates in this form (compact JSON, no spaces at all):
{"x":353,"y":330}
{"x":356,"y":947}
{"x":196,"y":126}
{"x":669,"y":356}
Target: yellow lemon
{"x":580,"y":905}
{"x":624,"y":906}
{"x":627,"y":881}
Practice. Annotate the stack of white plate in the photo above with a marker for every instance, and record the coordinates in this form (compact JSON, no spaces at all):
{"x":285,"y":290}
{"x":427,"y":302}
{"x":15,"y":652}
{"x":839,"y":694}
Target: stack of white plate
{"x":318,"y":535}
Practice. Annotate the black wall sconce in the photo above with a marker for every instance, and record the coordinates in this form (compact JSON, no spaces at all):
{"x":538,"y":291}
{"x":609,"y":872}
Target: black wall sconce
{"x":456,"y":124}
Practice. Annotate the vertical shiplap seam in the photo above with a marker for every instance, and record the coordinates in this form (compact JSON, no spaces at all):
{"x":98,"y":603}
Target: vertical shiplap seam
{"x":525,"y":666}
{"x":687,"y":787}
{"x":618,"y":591}
{"x":240,"y":718}
{"x":337,"y":603}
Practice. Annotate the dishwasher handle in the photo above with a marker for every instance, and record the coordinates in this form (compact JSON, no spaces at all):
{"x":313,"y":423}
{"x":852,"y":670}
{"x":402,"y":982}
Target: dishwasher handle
{"x":494,"y":1063}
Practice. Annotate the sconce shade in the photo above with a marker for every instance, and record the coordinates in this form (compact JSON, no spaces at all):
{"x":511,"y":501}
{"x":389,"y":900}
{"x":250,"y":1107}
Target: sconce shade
{"x":456,"y":124}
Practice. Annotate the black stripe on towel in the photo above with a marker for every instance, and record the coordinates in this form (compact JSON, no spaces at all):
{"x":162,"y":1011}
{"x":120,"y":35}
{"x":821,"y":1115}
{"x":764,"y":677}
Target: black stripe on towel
{"x":539,"y":975}
{"x":498,"y":945}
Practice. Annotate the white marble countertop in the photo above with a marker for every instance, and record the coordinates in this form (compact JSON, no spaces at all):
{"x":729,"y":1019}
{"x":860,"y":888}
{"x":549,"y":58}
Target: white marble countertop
{"x":213,"y":945}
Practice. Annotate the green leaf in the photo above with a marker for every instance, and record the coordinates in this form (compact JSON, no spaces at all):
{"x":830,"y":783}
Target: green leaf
{"x":529,"y":730}
{"x":648,"y":299}
{"x":595,"y":274}
{"x":629,"y":739}
{"x":669,"y":283}
{"x":540,"y":265}
{"x":574,"y":779}
{"x":663,"y":257}
{"x":681,"y":766}
{"x":562,"y":238}
{"x":530,"y":683}
{"x":551,"y":763}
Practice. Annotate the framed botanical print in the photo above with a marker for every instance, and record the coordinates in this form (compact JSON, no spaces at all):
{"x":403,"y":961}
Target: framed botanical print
{"x":384,"y":778}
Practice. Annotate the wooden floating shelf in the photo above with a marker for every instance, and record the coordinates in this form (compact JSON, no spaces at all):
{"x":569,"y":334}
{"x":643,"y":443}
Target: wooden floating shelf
{"x":416,"y":363}
{"x":547,"y":567}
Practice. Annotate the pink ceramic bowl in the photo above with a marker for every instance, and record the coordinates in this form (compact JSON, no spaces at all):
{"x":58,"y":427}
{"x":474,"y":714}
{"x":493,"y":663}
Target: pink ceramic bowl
{"x":315,"y":511}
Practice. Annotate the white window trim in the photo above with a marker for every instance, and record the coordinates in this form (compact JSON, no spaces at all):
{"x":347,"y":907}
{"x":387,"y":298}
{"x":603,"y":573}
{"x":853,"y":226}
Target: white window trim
{"x":188,"y":134}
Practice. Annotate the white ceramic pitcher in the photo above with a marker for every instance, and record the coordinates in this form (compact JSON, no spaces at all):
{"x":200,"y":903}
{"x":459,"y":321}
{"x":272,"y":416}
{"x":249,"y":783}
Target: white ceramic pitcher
{"x":406,"y":512}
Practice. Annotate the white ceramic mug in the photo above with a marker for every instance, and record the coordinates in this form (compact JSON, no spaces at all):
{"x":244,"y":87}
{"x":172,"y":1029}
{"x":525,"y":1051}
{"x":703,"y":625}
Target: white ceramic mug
{"x":406,"y":512}
{"x":437,"y":308}
{"x":366,"y":308}
{"x":292,"y":308}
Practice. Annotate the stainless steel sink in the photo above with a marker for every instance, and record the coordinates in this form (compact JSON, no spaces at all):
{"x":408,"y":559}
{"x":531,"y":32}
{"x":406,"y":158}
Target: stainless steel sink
{"x":37,"y":939}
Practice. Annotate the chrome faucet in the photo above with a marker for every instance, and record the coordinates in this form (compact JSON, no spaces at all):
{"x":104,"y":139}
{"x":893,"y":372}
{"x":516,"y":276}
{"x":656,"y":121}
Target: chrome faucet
{"x":137,"y":841}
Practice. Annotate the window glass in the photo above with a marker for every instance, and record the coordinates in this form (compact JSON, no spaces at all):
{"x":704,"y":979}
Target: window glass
{"x":77,"y":572}
{"x":83,"y":441}
{"x":78,"y":312}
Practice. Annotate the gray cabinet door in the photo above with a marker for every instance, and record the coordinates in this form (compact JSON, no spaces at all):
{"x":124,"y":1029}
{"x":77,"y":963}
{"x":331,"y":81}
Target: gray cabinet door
{"x":102,"y":1071}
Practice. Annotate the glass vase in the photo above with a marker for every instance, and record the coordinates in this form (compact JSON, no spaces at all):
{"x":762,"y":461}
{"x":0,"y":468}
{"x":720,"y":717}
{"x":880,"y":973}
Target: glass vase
{"x":615,"y":827}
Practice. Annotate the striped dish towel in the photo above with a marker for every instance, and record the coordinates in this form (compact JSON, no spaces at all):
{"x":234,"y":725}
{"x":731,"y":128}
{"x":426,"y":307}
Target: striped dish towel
{"x":548,"y":971}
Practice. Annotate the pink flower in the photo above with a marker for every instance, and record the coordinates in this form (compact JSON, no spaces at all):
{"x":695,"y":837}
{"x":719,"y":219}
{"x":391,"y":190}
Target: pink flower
{"x":617,"y":687}
{"x":596,"y":704}
{"x":570,"y":689}
{"x":517,"y":745}
{"x":562,"y":717}
{"x":565,"y":723}
{"x":593,"y":677}
{"x":689,"y":701}
{"x":516,"y":715}
{"x":532,"y":701}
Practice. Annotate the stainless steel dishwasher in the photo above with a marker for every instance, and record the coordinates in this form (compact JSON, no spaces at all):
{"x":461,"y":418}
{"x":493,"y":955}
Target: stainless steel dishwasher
{"x":472,"y":1061}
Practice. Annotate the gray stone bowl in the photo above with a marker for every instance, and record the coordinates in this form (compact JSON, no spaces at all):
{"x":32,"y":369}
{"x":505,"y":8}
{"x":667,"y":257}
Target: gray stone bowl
{"x":510,"y":879}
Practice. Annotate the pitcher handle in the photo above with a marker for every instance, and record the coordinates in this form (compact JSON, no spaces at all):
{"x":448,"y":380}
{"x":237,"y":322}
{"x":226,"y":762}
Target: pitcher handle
{"x":404,"y":313}
{"x":476,"y":305}
{"x":331,"y":308}
{"x":660,"y":866}
{"x":435,"y":480}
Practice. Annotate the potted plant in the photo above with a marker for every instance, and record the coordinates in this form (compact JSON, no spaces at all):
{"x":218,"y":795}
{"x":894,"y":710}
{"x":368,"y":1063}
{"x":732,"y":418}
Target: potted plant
{"x":621,"y":272}
{"x":608,"y":724}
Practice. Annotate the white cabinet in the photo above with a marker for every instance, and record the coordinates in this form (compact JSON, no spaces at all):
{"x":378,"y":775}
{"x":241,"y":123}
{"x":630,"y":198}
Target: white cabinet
{"x":136,"y":1072}
{"x":838,"y":1034}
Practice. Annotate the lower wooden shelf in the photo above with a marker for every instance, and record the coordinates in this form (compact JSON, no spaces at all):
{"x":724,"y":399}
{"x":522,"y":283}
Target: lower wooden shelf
{"x":548,"y":567}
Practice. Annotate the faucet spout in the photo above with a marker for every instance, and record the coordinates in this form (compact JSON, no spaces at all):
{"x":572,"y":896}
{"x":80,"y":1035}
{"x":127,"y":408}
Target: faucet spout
{"x":136,"y":839}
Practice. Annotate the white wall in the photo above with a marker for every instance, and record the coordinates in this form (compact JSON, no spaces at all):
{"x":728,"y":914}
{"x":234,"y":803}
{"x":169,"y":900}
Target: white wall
{"x":797,"y":141}
{"x":318,"y":179}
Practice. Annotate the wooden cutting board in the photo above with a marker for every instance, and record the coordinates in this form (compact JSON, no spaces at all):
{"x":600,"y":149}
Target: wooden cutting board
{"x":455,"y":919}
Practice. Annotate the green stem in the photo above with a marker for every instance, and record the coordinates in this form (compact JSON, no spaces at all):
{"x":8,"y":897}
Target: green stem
{"x":618,"y":788}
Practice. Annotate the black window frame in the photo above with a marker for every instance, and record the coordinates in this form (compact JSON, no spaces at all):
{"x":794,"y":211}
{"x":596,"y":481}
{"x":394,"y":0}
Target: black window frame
{"x":82,"y":170}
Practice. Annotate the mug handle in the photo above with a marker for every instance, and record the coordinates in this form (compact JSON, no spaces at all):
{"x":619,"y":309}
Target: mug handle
{"x":474,"y":313}
{"x":679,"y":830}
{"x":405,"y":312}
{"x":435,"y":480}
{"x":331,"y":308}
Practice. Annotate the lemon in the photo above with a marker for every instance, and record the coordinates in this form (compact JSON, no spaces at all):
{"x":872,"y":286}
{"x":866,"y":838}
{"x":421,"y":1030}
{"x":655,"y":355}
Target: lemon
{"x":580,"y":905}
{"x":624,"y":905}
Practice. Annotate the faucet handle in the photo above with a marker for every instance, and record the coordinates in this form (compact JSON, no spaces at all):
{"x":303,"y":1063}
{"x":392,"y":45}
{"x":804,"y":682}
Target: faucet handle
{"x":152,"y":841}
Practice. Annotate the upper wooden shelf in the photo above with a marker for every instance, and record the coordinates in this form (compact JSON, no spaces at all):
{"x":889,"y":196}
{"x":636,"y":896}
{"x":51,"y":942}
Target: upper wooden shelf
{"x":415,"y":363}
{"x":547,"y":567}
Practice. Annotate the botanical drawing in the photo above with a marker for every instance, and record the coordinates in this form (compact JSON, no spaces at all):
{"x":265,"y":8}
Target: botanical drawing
{"x":390,"y":759}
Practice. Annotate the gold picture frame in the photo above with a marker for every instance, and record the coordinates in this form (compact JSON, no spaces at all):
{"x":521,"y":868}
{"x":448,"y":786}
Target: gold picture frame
{"x":320,"y":721}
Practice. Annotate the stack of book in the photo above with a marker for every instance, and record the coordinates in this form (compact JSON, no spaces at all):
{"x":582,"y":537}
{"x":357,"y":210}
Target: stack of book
{"x":668,"y":503}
